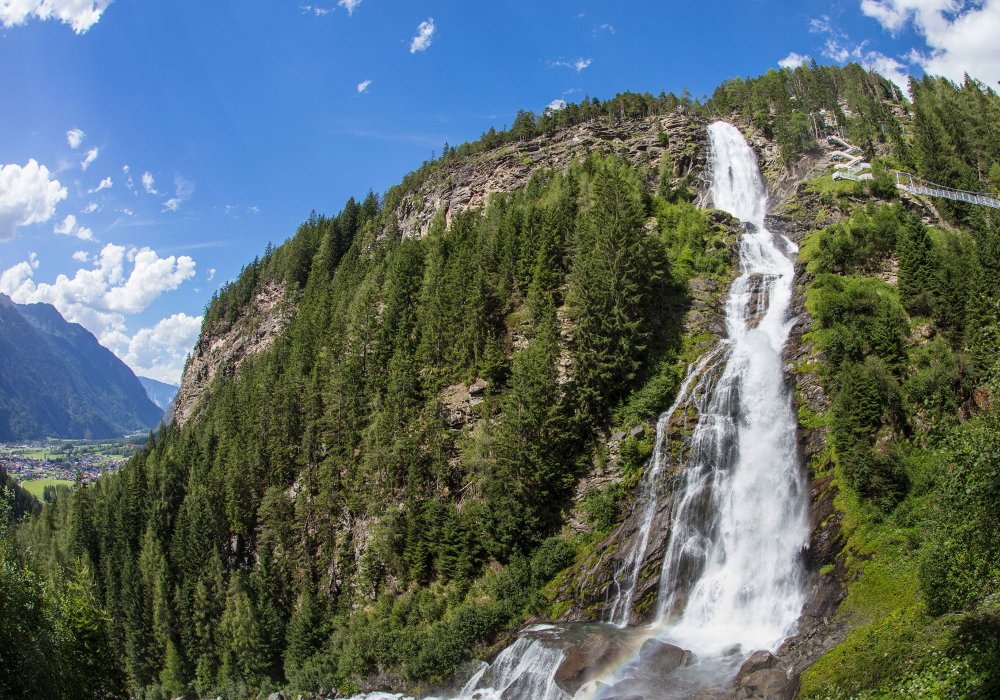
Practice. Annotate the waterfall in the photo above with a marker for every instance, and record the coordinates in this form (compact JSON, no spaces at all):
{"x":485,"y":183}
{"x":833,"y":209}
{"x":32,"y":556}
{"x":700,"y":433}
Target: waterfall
{"x":732,"y":571}
{"x":732,"y":575}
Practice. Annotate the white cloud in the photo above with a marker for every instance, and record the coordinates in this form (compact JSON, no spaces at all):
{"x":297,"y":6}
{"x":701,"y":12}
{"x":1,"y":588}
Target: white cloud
{"x":74,"y":137}
{"x":81,"y":256}
{"x":66,"y":226}
{"x":27,"y":196}
{"x":104,"y":184}
{"x":892,"y":15}
{"x":425,"y":34}
{"x":822,"y":25}
{"x":349,"y":5}
{"x":14,"y":277}
{"x":887,"y":66}
{"x":91,"y":208}
{"x":555,"y":105}
{"x":125,"y":169}
{"x":605,"y":28}
{"x":159,"y":352}
{"x":577,"y":64}
{"x":149,"y":183}
{"x":182,"y":192}
{"x":838,"y":52}
{"x":150,"y":277}
{"x":100,"y":298}
{"x":793,"y":60}
{"x":962,"y":36}
{"x":79,"y":14}
{"x":211,"y":274}
{"x":364,"y":85}
{"x":69,"y":227}
{"x":316,"y":10}
{"x":89,"y":158}
{"x":253,"y":210}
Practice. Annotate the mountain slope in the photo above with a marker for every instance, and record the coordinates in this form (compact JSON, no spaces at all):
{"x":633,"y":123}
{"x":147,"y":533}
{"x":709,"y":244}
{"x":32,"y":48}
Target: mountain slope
{"x":160,"y":393}
{"x":58,"y":381}
{"x":409,"y":455}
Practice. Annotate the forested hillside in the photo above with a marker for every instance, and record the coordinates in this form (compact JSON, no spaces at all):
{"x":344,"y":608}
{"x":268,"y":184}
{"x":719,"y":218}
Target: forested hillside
{"x":388,"y":487}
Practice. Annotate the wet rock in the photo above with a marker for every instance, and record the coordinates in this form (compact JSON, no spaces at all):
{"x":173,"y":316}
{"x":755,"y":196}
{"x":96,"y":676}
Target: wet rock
{"x":768,"y":684}
{"x":758,"y":661}
{"x":590,"y":660}
{"x":661,"y":659}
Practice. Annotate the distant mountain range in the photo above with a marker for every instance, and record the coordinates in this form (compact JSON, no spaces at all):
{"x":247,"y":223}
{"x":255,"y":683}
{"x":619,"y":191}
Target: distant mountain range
{"x":56,"y":380}
{"x":160,"y":393}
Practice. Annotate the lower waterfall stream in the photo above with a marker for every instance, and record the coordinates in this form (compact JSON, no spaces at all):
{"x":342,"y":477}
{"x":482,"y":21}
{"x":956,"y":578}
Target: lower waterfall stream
{"x":731,"y":580}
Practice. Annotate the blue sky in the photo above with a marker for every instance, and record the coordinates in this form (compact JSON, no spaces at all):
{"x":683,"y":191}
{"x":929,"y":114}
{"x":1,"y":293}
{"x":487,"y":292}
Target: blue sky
{"x":149,"y":149}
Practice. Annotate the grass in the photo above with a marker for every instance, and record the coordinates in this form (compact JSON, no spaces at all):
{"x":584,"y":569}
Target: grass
{"x":36,"y":487}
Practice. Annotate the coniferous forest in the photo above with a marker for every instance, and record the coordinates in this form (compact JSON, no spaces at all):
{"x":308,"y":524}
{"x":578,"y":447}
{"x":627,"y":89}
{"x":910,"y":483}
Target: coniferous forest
{"x":324,"y":521}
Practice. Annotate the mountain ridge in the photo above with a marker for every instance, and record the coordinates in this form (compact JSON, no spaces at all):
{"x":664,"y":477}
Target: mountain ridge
{"x":58,"y":381}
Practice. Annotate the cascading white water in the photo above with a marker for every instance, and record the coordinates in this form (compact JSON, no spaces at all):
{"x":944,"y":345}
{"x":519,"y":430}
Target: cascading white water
{"x":732,"y":573}
{"x":732,"y":568}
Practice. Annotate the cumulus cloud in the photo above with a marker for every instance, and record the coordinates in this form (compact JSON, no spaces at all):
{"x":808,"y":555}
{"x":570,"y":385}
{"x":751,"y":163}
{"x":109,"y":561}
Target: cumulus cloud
{"x":349,"y":5}
{"x":104,"y":184}
{"x":89,"y":158}
{"x":793,"y":60}
{"x":69,"y":227}
{"x":425,"y":34}
{"x":74,"y":137}
{"x":183,"y":189}
{"x":211,"y":274}
{"x":149,"y":183}
{"x":90,"y":208}
{"x":81,"y":15}
{"x":119,"y":282}
{"x":364,"y":85}
{"x":159,"y":352}
{"x":961,"y":35}
{"x":555,"y":105}
{"x":27,"y":196}
{"x":81,"y":256}
{"x":66,"y":226}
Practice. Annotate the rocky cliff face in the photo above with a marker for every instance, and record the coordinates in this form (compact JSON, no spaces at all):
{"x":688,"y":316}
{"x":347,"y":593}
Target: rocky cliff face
{"x":223,"y":350}
{"x":471,"y":181}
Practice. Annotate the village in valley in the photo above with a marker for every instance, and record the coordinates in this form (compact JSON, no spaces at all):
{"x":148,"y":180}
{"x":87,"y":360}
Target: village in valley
{"x":36,"y":465}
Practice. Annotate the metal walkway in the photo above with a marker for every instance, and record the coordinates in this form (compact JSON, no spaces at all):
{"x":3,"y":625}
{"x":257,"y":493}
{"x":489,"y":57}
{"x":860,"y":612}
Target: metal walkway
{"x":855,"y":168}
{"x":915,"y":185}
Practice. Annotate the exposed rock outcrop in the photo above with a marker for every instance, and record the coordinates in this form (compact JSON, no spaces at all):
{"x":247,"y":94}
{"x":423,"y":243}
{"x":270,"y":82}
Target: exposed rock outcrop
{"x":470,"y":183}
{"x":224,"y":350}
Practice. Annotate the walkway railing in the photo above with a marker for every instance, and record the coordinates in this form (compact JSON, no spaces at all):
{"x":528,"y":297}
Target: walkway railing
{"x":916,"y":185}
{"x":855,"y":168}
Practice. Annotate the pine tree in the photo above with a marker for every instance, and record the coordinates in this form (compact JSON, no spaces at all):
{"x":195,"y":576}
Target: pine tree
{"x":915,"y":268}
{"x":240,"y":645}
{"x":617,"y":271}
